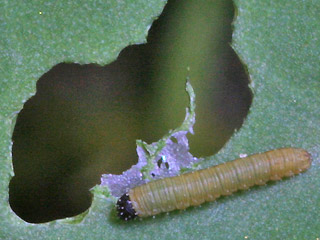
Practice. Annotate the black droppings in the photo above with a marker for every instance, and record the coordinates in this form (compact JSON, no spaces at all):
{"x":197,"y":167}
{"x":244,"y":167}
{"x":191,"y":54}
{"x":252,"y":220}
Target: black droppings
{"x":159,"y":162}
{"x":167,"y":165}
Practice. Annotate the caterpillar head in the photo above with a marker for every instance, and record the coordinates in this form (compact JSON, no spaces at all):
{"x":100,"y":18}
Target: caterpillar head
{"x":125,"y":208}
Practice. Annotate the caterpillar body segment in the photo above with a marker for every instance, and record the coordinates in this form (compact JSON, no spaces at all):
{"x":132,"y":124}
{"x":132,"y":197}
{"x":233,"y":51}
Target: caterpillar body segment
{"x":194,"y":188}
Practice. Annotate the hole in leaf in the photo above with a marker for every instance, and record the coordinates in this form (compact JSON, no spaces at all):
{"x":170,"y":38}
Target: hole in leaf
{"x":173,"y":139}
{"x":159,"y":162}
{"x":162,"y":160}
{"x":167,"y":165}
{"x":83,"y":120}
{"x":76,"y":127}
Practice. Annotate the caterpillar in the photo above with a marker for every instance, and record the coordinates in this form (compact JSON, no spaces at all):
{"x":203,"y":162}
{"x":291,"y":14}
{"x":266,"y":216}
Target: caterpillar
{"x":194,"y":188}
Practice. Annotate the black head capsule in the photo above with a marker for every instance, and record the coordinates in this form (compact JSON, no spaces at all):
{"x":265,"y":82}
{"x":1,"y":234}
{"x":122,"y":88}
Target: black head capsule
{"x":125,"y":208}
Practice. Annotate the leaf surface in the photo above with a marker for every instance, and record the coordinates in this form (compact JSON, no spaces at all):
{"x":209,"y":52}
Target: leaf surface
{"x":277,"y":40}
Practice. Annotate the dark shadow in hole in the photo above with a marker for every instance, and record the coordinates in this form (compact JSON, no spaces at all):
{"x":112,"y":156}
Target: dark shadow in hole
{"x":166,"y":165}
{"x":173,"y":139}
{"x":83,"y":122}
{"x":159,"y":162}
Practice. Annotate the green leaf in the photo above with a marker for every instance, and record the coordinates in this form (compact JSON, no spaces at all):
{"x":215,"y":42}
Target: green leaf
{"x":277,"y":40}
{"x":35,"y":36}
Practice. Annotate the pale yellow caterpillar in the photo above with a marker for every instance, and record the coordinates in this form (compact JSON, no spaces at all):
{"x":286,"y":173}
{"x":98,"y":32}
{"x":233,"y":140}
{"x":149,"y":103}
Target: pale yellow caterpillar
{"x":194,"y":188}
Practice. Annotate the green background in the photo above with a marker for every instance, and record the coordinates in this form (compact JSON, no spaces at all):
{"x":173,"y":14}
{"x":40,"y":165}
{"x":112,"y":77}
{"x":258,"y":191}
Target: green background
{"x":279,"y":43}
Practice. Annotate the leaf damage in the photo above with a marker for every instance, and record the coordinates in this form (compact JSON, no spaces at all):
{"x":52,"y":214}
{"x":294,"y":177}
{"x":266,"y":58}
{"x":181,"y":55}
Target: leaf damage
{"x":164,"y":158}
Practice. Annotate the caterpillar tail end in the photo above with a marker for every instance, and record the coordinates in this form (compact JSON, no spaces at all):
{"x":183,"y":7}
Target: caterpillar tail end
{"x":125,"y":208}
